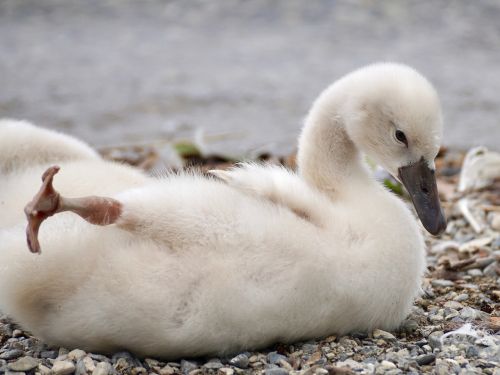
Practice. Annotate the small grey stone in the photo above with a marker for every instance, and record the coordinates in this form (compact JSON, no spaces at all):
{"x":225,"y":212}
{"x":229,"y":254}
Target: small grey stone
{"x":359,"y":335}
{"x":384,"y":367}
{"x":425,"y":359}
{"x":274,"y":358}
{"x":309,"y":348}
{"x":380,"y":334}
{"x":436,"y":318}
{"x":76,"y":354}
{"x":99,"y":357}
{"x":409,"y":325}
{"x":241,"y":361}
{"x":491,"y":270}
{"x":472,"y":351}
{"x":85,"y":365}
{"x":6,"y":330}
{"x":17,"y":333}
{"x":451,"y":313}
{"x":11,"y":354}
{"x":80,"y":368}
{"x":354,"y":365}
{"x":276,"y":371}
{"x":63,"y":368}
{"x":46,"y":354}
{"x":188,"y":366}
{"x":461,"y":297}
{"x":23,"y":364}
{"x":496,"y":243}
{"x":102,"y":368}
{"x":150,"y":362}
{"x":127,"y":356}
{"x":470,"y":286}
{"x":475,"y":272}
{"x":469,"y":313}
{"x":435,"y":339}
{"x":62,"y":357}
{"x":440,"y":283}
{"x":454,"y":305}
{"x":213,"y":364}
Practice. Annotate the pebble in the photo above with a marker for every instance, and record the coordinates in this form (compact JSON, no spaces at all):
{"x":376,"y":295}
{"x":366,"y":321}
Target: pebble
{"x":85,"y":365}
{"x":309,"y":348}
{"x":380,"y":334}
{"x":425,"y":359}
{"x":241,"y":361}
{"x":495,"y":222}
{"x":453,"y":305}
{"x":63,"y":368}
{"x":440,"y":283}
{"x":461,"y":297}
{"x":475,"y":272}
{"x":276,"y":371}
{"x":444,"y":246}
{"x":102,"y":368}
{"x":496,"y":243}
{"x":187,"y":366}
{"x":122,"y":364}
{"x":475,"y":244}
{"x":274,"y":358}
{"x":435,"y":339}
{"x":436,"y":318}
{"x":24,"y":364}
{"x":11,"y":354}
{"x":76,"y":354}
{"x":213,"y":364}
{"x":409,"y":326}
{"x":387,"y":365}
{"x":126,"y":357}
{"x":44,"y":370}
{"x":491,"y":270}
{"x":17,"y":333}
{"x":167,"y":370}
{"x":469,"y":313}
{"x":52,"y":354}
{"x":99,"y":357}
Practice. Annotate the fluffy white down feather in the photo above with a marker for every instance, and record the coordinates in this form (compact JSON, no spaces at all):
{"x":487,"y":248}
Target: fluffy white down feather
{"x":210,"y":265}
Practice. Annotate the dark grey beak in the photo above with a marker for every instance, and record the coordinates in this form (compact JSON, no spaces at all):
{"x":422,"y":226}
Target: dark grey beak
{"x":420,"y":181}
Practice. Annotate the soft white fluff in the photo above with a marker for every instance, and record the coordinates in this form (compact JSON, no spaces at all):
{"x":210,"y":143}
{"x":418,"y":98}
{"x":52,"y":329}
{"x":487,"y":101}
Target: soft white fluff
{"x":219,"y":265}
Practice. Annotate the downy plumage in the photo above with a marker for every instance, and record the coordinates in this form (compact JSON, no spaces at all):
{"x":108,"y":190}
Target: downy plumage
{"x":198,"y":266}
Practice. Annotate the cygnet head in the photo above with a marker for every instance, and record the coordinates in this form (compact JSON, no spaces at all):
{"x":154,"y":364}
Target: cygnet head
{"x":394,"y":116}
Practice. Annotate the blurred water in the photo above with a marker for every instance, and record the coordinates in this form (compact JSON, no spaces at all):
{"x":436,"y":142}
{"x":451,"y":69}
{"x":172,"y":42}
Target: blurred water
{"x":246,"y":72}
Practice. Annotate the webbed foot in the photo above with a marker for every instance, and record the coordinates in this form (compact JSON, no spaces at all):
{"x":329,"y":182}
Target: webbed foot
{"x":45,"y":204}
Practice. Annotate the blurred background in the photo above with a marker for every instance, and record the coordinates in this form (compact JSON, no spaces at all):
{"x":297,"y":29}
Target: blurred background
{"x":240,"y":75}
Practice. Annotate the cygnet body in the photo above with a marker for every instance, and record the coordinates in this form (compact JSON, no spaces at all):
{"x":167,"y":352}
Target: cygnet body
{"x":200,"y":266}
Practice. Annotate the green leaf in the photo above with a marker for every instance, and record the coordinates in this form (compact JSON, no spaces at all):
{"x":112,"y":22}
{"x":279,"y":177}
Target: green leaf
{"x":187,"y":149}
{"x":395,"y":187}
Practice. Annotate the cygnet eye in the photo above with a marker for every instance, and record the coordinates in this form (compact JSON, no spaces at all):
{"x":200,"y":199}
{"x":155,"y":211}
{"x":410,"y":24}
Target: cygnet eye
{"x":401,"y":137}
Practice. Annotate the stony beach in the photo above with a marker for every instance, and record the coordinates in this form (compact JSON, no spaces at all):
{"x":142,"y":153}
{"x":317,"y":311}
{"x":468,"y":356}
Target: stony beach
{"x":453,"y":328}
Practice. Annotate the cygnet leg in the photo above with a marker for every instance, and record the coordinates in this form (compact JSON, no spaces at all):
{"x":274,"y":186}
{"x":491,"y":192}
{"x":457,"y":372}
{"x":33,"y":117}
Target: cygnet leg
{"x":47,"y":202}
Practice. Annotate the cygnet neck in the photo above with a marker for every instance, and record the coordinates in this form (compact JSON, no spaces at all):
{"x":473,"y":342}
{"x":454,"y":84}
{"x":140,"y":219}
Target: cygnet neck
{"x":327,"y":158}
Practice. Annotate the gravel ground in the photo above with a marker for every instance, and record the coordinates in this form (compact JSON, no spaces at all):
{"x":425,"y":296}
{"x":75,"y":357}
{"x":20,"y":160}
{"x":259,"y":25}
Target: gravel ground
{"x":453,"y":328}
